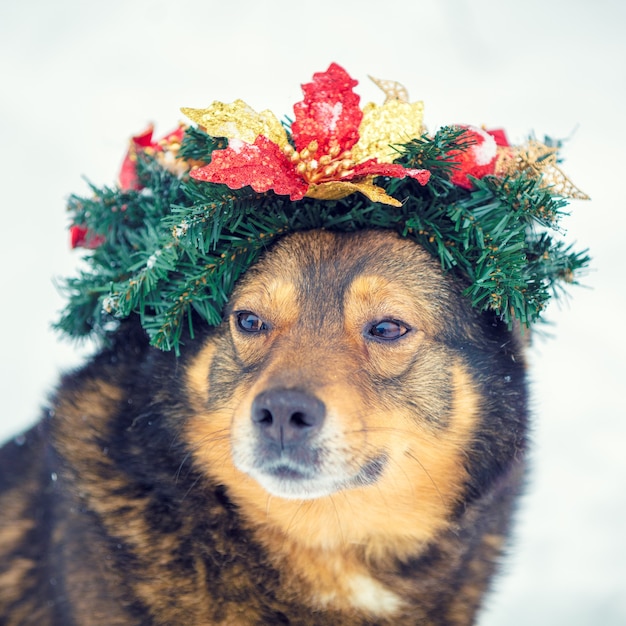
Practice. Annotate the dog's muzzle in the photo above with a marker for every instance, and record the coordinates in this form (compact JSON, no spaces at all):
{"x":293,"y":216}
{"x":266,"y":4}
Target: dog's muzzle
{"x":290,"y":452}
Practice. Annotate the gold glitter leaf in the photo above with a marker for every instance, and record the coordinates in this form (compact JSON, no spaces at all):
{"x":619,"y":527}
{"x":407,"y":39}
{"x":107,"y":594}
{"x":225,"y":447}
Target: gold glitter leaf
{"x":383,"y":126}
{"x":237,"y":120}
{"x":538,"y":161}
{"x":563,"y":186}
{"x":335,"y":190}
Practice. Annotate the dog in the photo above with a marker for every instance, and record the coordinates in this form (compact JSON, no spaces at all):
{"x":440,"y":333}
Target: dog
{"x":346,"y":448}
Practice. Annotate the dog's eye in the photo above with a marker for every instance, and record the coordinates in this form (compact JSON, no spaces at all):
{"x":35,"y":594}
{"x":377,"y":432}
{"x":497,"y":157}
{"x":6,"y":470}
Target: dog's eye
{"x":388,"y":330}
{"x":250,"y":323}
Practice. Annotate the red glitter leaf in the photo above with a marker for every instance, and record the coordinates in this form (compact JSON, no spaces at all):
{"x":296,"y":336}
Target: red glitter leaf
{"x":329,"y":113}
{"x":128,"y":172}
{"x":175,"y":135}
{"x":394,"y":170}
{"x":500,"y":137}
{"x":143,"y":139}
{"x":77,"y":236}
{"x":261,"y":165}
{"x":421,"y":176}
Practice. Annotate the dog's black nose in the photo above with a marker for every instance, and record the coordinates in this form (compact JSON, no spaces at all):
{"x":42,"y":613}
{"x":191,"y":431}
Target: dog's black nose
{"x":287,"y":416}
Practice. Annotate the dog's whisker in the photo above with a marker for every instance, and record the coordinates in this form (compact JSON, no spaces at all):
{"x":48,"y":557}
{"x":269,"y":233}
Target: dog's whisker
{"x":222,"y":435}
{"x":434,"y":484}
{"x":191,"y":488}
{"x":301,"y":509}
{"x":338,"y":518}
{"x":179,"y":470}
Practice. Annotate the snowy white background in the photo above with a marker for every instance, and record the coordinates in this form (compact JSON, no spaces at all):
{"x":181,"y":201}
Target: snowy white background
{"x":78,"y":78}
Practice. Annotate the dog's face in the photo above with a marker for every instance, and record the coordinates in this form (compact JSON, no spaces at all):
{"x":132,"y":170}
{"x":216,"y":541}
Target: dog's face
{"x":338,"y":381}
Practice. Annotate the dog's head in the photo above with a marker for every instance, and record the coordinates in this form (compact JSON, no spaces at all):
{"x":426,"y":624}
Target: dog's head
{"x":352,"y":374}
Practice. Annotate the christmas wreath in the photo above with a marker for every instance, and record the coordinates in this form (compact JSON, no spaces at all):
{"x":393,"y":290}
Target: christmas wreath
{"x":194,"y":210}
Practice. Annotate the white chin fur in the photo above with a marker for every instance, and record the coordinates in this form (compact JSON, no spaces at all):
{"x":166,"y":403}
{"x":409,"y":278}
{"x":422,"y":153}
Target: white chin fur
{"x":302,"y":489}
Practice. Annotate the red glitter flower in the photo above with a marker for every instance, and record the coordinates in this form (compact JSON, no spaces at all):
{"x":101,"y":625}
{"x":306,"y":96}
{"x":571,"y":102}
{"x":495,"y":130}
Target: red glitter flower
{"x":326,"y":160}
{"x":143,"y":142}
{"x":165,"y":149}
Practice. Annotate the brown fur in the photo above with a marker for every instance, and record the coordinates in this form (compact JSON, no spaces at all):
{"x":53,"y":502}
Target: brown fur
{"x":152,"y":494}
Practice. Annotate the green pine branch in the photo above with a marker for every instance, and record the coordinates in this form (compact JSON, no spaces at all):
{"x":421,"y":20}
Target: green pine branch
{"x":172,"y":251}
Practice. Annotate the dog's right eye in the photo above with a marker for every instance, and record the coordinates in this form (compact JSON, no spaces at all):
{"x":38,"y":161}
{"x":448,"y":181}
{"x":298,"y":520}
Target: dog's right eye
{"x":388,"y":330}
{"x":250,"y":323}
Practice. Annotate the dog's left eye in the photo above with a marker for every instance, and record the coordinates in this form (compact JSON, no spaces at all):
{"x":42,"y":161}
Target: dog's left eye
{"x":250,"y":323}
{"x":388,"y":330}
